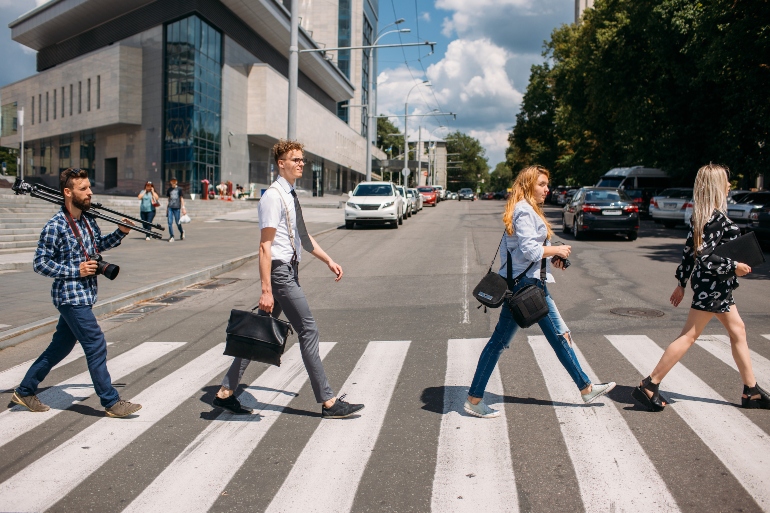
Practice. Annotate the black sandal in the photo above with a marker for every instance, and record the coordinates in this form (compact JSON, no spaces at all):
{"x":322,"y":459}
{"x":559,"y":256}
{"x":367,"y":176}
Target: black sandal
{"x":654,"y":403}
{"x":763,"y":403}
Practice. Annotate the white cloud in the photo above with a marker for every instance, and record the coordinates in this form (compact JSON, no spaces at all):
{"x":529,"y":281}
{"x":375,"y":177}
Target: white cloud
{"x":425,"y":16}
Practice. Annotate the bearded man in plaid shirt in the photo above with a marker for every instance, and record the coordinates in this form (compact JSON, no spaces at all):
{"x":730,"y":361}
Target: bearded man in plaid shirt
{"x":62,"y":254}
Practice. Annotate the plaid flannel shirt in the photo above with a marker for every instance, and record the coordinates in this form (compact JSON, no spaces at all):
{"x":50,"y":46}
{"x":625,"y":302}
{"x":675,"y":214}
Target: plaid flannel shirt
{"x":59,"y":256}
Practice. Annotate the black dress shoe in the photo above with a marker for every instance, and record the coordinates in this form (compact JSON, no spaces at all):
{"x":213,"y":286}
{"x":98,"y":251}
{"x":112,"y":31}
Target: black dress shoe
{"x":340,"y":409}
{"x":232,"y":405}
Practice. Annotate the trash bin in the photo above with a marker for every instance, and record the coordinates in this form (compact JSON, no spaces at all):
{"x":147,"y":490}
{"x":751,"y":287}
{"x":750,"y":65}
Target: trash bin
{"x":205,"y":194}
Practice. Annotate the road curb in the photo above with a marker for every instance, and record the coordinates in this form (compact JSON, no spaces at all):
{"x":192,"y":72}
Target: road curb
{"x":15,"y":336}
{"x":22,"y":333}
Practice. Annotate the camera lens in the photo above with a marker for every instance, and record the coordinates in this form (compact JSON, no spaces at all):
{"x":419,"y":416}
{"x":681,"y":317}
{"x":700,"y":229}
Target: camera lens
{"x":110,"y":271}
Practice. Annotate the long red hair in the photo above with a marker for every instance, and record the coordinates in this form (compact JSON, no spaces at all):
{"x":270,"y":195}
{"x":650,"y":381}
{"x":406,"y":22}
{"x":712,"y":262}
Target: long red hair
{"x":523,"y":189}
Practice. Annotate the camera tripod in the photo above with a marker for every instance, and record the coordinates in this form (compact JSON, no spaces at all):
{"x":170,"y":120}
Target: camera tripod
{"x":51,"y":195}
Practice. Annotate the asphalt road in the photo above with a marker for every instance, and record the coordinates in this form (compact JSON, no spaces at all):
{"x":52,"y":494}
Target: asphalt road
{"x":403,"y":336}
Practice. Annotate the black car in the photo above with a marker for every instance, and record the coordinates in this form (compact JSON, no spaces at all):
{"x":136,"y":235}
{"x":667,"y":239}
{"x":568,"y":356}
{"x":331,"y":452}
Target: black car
{"x":601,"y":209}
{"x":466,"y":194}
{"x":761,"y":227}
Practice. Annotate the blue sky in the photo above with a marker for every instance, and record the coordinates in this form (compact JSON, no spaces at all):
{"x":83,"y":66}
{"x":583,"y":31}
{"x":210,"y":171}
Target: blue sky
{"x":479,"y":70}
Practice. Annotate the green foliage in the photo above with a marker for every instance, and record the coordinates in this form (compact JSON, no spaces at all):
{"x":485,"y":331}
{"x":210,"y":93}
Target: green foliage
{"x":663,"y":83}
{"x":472,"y":161}
{"x":393,"y":145}
{"x":500,"y":179}
{"x":9,"y":155}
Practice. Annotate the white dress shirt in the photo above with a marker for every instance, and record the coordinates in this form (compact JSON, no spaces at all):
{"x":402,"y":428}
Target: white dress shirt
{"x":272,"y":214}
{"x":526,"y":243}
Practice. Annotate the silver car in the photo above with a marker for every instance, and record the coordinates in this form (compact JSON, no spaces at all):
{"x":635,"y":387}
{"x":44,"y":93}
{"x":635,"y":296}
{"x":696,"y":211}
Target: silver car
{"x":668,"y":207}
{"x":407,"y":209}
{"x":417,"y":200}
{"x":748,"y":208}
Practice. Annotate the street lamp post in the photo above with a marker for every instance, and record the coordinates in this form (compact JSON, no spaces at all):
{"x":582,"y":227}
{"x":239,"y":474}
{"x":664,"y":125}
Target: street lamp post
{"x":20,"y":122}
{"x":431,"y":173}
{"x":406,"y":136}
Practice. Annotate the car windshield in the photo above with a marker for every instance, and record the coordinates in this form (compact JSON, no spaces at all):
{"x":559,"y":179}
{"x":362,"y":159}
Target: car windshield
{"x":756,"y":198}
{"x":425,"y":189}
{"x":400,"y":191}
{"x":676,"y":193}
{"x":465,"y":191}
{"x":605,"y":196}
{"x":373,"y":189}
{"x":610,"y":182}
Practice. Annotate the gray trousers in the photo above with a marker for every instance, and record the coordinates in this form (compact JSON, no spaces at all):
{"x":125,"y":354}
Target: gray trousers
{"x":290,"y":299}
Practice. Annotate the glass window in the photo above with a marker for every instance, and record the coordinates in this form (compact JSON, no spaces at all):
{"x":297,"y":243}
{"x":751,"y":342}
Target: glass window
{"x":46,"y":105}
{"x":80,"y":97}
{"x":98,"y":90}
{"x":88,"y":96}
{"x":10,"y":119}
{"x":54,"y":103}
{"x":40,"y":108}
{"x":33,"y":110}
{"x":70,"y":99}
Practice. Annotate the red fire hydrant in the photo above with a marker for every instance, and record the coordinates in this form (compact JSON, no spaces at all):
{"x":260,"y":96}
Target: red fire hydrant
{"x":205,"y":183}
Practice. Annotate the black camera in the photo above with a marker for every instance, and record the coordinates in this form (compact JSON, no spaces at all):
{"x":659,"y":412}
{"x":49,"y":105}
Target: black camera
{"x":110,"y":271}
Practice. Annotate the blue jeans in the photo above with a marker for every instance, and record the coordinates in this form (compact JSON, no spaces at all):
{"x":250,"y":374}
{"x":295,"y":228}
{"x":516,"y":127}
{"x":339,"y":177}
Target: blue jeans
{"x":554,"y":329}
{"x":173,"y":217}
{"x":76,"y":323}
{"x":147,"y":218}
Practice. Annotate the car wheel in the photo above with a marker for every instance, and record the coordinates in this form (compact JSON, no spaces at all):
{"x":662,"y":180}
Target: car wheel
{"x":632,"y":235}
{"x":394,"y":225}
{"x":564,"y":227}
{"x":575,"y":232}
{"x":401,"y":220}
{"x":349,"y":224}
{"x":669,"y":224}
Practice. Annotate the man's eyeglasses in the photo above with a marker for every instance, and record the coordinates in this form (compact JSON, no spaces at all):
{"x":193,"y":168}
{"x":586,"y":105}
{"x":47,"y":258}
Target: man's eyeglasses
{"x":298,"y":160}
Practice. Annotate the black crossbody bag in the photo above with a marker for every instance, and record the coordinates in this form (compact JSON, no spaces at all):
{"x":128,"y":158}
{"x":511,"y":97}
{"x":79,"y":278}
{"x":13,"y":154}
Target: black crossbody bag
{"x":527,"y":304}
{"x":493,"y":288}
{"x":259,"y":337}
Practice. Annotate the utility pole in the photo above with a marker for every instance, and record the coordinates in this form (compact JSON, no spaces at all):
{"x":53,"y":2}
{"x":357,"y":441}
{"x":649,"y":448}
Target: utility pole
{"x":293,"y":70}
{"x":20,"y":121}
{"x":419,"y":154}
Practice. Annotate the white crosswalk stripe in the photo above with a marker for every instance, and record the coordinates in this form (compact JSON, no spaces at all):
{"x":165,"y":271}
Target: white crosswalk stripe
{"x":719,"y":346}
{"x":194,"y":480}
{"x":59,"y":471}
{"x":18,"y":420}
{"x":335,"y":456}
{"x":767,"y":337}
{"x":613,"y":471}
{"x":10,"y":378}
{"x":741,"y":446}
{"x":474,"y":471}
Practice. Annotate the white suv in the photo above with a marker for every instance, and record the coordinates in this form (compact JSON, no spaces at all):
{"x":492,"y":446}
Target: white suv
{"x":374,"y":203}
{"x":441,"y":192}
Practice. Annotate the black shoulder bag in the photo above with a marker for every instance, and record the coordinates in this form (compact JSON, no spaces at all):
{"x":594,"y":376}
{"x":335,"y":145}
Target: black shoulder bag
{"x":256,"y":336}
{"x":493,"y":288}
{"x":527,"y":304}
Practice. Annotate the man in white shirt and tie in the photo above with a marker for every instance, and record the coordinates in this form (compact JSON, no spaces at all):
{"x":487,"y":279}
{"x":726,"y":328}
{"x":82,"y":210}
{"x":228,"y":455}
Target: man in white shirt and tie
{"x":279,"y":254}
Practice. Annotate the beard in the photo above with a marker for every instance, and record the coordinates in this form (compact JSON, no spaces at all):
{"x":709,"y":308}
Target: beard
{"x":84,"y":205}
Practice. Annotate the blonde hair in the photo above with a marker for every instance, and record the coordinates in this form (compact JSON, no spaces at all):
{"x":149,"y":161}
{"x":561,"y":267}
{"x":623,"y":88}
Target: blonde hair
{"x":523,"y":189}
{"x":709,"y":194}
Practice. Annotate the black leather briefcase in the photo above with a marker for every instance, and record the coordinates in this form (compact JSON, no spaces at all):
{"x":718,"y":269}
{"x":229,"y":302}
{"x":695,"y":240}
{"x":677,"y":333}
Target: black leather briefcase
{"x":256,"y":336}
{"x":744,"y":249}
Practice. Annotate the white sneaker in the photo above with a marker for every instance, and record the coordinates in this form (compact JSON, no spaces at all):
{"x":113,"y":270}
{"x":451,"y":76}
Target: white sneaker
{"x":171,"y":239}
{"x":598,"y":390}
{"x":147,"y":238}
{"x":480,"y":410}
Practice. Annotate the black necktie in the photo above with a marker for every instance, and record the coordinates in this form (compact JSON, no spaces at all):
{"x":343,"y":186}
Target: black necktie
{"x":307,"y":244}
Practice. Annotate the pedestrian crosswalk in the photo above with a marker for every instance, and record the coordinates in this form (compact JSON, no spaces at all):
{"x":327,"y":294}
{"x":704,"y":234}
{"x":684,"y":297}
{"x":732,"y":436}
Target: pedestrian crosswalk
{"x":474,"y":464}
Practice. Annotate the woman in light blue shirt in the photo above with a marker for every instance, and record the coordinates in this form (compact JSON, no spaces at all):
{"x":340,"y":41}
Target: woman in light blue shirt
{"x":526,"y":242}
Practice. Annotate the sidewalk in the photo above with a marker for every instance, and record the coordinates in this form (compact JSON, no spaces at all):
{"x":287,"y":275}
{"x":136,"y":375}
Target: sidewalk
{"x":26,"y":295}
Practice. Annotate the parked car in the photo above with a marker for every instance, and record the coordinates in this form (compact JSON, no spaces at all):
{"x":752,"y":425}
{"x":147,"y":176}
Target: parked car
{"x":406,"y":204}
{"x":668,"y":207}
{"x":466,"y":194}
{"x":748,"y":208}
{"x":416,"y":199}
{"x":761,"y":227}
{"x":562,"y":198}
{"x":441,"y":192}
{"x":374,"y":203}
{"x":451,"y":195}
{"x":736,"y":196}
{"x":487,"y":195}
{"x":647,"y":180}
{"x":429,"y":195}
{"x":601,"y":209}
{"x":501,"y":195}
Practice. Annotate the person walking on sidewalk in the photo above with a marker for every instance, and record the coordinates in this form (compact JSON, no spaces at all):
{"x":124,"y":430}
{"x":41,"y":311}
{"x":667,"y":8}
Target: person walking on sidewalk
{"x":175,"y":204}
{"x":149,"y":200}
{"x":63,"y":253}
{"x":283,"y":236}
{"x":526,"y":241}
{"x":713,"y":283}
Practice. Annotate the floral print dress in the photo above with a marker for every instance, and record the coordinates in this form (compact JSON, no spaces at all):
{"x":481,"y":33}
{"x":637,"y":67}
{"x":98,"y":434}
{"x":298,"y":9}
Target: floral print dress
{"x":713,"y":277}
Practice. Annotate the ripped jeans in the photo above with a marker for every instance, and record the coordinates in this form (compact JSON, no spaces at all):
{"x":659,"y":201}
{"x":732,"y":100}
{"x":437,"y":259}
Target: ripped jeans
{"x":554,"y":329}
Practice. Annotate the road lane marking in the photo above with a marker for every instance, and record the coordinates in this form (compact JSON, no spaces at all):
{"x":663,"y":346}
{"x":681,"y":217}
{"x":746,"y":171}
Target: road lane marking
{"x":58,"y":472}
{"x":613,"y":471}
{"x":466,"y":317}
{"x":719,"y":346}
{"x":18,"y":420}
{"x":194,"y":480}
{"x":738,"y":443}
{"x":348,"y":444}
{"x":767,"y":337}
{"x":474,"y":471}
{"x":11,"y":378}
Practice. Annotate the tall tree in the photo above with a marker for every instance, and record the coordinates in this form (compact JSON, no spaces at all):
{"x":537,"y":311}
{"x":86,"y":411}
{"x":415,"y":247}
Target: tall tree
{"x":501,"y":178}
{"x":471,"y":155}
{"x":391,"y":144}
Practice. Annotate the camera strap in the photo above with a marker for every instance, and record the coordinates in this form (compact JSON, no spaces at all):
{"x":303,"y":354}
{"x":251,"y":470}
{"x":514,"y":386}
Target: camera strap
{"x":76,"y":232}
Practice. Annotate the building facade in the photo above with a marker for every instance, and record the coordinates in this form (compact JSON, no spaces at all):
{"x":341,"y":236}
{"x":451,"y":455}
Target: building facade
{"x":149,"y":90}
{"x":580,"y":6}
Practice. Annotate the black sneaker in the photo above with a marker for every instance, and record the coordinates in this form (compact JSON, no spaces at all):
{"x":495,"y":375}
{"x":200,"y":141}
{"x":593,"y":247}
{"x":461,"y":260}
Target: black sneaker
{"x":232,"y":405}
{"x":340,"y":409}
